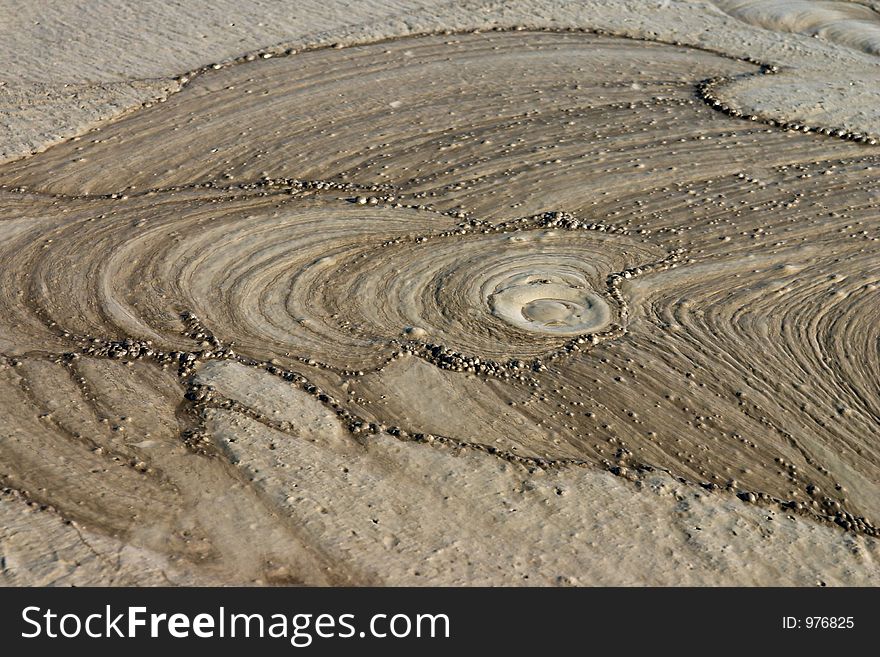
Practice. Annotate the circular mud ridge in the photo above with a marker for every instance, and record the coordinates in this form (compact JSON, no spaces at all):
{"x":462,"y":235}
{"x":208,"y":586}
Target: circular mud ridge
{"x":547,"y":301}
{"x":493,"y":204}
{"x":334,"y":282}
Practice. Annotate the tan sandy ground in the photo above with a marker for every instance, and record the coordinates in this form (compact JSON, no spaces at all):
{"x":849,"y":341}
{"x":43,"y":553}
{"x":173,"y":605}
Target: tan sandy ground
{"x":588,"y":296}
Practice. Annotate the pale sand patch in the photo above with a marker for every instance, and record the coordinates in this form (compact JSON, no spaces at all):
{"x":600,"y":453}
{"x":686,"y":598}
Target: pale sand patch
{"x":39,"y":549}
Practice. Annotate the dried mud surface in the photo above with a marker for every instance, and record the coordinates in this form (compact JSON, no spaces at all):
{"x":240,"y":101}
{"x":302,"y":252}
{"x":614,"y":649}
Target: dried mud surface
{"x":525,"y":306}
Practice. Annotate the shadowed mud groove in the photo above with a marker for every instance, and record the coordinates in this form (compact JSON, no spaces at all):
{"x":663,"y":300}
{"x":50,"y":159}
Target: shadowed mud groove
{"x":566,"y":252}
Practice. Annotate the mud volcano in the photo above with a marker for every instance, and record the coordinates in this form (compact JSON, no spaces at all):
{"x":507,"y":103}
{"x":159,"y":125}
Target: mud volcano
{"x":244,"y":308}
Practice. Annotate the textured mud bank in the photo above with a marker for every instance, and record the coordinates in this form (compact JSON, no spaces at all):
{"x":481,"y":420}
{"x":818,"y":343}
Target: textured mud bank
{"x":571,"y":304}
